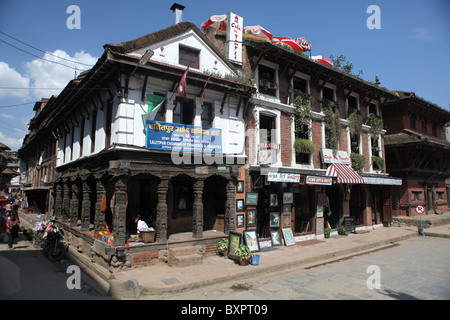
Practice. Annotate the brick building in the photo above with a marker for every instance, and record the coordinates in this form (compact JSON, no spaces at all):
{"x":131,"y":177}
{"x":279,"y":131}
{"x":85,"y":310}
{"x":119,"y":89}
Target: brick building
{"x":418,"y":151}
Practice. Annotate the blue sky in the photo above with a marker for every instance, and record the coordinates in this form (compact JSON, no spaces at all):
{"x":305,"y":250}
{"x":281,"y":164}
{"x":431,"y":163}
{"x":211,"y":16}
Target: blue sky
{"x":410,"y":52}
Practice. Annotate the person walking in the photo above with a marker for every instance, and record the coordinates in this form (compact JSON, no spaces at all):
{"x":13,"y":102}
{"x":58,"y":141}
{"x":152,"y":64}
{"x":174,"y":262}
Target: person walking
{"x":12,"y":227}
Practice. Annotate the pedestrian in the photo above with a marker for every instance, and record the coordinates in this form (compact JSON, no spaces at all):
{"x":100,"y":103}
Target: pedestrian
{"x":12,"y":228}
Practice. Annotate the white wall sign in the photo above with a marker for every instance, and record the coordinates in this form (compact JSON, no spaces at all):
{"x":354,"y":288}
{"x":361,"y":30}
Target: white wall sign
{"x":328,"y":156}
{"x":283,"y":177}
{"x":235,"y":30}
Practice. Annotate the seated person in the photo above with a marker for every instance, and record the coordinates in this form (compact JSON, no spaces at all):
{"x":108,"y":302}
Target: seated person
{"x":141,"y":225}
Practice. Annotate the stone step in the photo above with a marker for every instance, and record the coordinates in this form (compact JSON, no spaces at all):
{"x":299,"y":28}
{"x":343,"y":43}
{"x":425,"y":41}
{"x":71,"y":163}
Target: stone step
{"x":182,"y":251}
{"x":186,"y":260}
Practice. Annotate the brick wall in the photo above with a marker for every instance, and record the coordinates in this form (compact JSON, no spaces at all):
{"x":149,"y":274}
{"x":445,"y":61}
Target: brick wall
{"x":286,"y":139}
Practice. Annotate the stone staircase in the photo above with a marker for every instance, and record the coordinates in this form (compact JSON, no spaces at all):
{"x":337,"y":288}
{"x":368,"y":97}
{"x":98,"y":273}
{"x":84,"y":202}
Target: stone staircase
{"x":184,"y":257}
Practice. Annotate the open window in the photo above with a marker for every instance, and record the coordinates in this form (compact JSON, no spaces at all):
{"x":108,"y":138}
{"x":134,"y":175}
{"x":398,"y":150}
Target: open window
{"x":183,"y":112}
{"x":267,"y":81}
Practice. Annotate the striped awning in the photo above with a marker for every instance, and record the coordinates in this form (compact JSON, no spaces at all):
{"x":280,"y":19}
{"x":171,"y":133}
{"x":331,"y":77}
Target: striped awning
{"x":344,"y":174}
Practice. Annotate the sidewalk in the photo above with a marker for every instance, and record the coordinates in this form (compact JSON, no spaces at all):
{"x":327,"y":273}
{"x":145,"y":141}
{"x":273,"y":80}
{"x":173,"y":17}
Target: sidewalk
{"x":162,"y":279}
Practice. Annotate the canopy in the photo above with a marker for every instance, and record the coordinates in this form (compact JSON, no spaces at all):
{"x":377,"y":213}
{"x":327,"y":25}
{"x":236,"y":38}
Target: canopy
{"x":299,"y":44}
{"x":218,"y":21}
{"x":259,"y":31}
{"x":344,"y":174}
{"x":321,"y":59}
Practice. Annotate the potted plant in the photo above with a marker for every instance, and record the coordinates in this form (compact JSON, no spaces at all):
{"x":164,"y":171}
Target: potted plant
{"x":304,"y":145}
{"x":244,"y":254}
{"x":342,"y":231}
{"x":327,"y":232}
{"x":222,"y":247}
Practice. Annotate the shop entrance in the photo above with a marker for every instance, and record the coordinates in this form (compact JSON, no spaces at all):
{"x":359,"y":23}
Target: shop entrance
{"x":142,"y":193}
{"x":180,"y":204}
{"x":214,"y":198}
{"x":357,"y":204}
{"x":333,"y":213}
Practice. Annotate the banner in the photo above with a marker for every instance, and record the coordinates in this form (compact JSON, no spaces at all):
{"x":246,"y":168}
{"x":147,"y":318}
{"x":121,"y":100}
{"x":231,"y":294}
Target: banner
{"x":175,"y":136}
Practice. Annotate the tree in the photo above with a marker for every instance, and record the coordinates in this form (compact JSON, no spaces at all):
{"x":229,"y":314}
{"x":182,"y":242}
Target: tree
{"x":343,"y":65}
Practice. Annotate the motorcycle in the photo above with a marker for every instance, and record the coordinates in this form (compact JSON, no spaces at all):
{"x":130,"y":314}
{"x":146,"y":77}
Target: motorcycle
{"x":52,"y":245}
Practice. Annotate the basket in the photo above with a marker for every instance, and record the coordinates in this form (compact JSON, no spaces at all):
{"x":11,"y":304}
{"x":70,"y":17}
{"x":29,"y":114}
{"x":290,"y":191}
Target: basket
{"x":147,"y":236}
{"x":255,"y":259}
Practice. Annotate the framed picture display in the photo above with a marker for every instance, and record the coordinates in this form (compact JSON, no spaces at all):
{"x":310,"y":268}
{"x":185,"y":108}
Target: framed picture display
{"x":240,"y":205}
{"x":275,"y":236}
{"x":275,"y":220}
{"x":319,"y":211}
{"x":288,"y":236}
{"x":287,"y":208}
{"x":288,"y":198}
{"x":285,"y":220}
{"x":251,"y":217}
{"x":234,"y":241}
{"x":251,"y":240}
{"x":273,"y":200}
{"x":251,"y":198}
{"x":240,"y":187}
{"x":240,"y":222}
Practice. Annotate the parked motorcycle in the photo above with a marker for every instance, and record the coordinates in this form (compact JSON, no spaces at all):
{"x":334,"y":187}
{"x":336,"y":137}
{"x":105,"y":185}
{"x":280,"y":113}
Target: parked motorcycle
{"x":53,"y":245}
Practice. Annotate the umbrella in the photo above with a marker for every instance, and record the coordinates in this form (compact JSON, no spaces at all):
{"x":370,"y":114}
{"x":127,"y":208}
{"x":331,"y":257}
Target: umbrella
{"x":321,"y":59}
{"x":299,"y":44}
{"x":217,"y":21}
{"x":259,"y":31}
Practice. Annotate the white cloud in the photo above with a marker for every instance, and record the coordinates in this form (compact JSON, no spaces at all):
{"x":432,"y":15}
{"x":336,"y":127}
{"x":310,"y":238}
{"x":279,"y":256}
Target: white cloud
{"x":422,"y":34}
{"x":9,"y":77}
{"x":55,"y":74}
{"x":13,"y":143}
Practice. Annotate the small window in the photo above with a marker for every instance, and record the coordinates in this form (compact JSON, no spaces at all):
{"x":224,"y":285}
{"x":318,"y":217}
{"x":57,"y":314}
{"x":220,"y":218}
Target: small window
{"x":266,"y":128}
{"x":434,"y":129}
{"x":352,"y":105}
{"x":189,"y":57}
{"x":424,"y":126}
{"x":267,"y":81}
{"x":328,"y":93}
{"x":183,"y":112}
{"x":373,"y":109}
{"x":412,"y":122}
{"x":301,"y":85}
{"x":206,"y":115}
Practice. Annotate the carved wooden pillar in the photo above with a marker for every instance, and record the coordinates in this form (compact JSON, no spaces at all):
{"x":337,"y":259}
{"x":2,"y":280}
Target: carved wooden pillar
{"x":120,"y":210}
{"x":99,"y":218}
{"x":230,"y":204}
{"x":197,"y":210}
{"x":58,"y":201}
{"x":66,"y":200}
{"x":86,"y":205}
{"x":161,"y":211}
{"x":74,"y":201}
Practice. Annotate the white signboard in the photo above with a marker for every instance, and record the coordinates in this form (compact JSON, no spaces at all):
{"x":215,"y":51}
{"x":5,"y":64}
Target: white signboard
{"x":235,"y":29}
{"x":328,"y":156}
{"x":283,"y":177}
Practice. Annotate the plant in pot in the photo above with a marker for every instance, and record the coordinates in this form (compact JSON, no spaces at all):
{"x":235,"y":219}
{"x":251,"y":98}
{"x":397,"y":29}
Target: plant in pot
{"x":222,"y":247}
{"x":244,"y":254}
{"x":342,"y":231}
{"x":327,"y":232}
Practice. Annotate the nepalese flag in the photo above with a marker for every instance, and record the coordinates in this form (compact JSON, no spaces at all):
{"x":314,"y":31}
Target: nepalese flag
{"x":204,"y":87}
{"x":182,"y":85}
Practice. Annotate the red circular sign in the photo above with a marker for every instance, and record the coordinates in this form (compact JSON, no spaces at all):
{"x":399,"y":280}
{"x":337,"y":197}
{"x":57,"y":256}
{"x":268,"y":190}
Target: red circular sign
{"x":420,"y":209}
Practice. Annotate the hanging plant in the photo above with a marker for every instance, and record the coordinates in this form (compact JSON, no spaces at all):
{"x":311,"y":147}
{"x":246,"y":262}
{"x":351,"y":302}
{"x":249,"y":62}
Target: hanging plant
{"x":358,"y":161}
{"x":356,"y":123}
{"x":304,"y":146}
{"x":378,"y":163}
{"x":376,"y":125}
{"x":332,"y":123}
{"x":302,"y":113}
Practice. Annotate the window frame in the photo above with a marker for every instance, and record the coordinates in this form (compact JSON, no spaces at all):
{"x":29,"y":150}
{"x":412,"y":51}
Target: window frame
{"x":185,"y":59}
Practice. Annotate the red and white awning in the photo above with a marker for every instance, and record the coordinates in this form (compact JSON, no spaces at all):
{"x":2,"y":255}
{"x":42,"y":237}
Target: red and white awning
{"x":218,"y":21}
{"x":321,"y":59}
{"x":259,"y":31}
{"x":299,"y":44}
{"x":344,"y":174}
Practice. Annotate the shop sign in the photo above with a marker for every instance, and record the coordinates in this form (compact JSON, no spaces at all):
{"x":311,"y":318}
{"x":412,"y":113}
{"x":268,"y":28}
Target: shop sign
{"x":175,"y":136}
{"x":383,"y":181}
{"x":235,"y":29}
{"x":326,"y":181}
{"x":283,"y":177}
{"x":329,"y":156}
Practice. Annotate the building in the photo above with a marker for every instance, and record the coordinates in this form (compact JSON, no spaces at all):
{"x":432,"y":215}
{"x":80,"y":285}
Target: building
{"x":418,"y":151}
{"x":38,"y":158}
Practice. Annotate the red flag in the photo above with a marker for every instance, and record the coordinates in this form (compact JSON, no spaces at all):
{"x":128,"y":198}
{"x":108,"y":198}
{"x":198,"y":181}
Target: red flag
{"x":182,"y":86}
{"x":203,"y":91}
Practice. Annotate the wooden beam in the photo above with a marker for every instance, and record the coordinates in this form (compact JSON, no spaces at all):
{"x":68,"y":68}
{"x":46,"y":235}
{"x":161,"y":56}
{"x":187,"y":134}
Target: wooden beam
{"x":257,"y":61}
{"x":223,"y":101}
{"x":239,"y":106}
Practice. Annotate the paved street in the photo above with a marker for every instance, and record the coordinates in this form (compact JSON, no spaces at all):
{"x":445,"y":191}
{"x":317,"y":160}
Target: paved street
{"x":418,"y":268}
{"x":27,"y":274}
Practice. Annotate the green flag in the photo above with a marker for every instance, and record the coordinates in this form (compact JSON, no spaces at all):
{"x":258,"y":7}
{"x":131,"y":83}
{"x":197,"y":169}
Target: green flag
{"x":153,"y":101}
